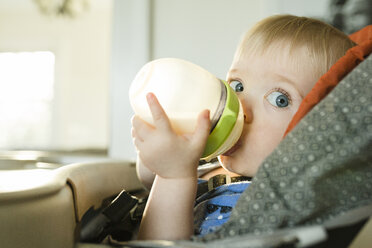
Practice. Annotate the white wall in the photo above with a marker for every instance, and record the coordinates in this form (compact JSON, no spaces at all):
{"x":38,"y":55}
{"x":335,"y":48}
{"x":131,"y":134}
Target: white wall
{"x":82,"y":49}
{"x":130,"y":50}
{"x":204,"y":32}
{"x":313,"y":8}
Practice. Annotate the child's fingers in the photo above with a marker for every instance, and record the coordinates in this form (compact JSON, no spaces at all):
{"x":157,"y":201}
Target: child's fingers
{"x":136,"y":138}
{"x":140,"y":129}
{"x":137,"y":142}
{"x":159,"y":116}
{"x":202,"y":128}
{"x":133,"y":132}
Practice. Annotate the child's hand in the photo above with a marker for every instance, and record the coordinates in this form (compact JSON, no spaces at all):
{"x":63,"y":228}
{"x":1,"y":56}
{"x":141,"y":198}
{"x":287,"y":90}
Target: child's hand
{"x":167,"y":154}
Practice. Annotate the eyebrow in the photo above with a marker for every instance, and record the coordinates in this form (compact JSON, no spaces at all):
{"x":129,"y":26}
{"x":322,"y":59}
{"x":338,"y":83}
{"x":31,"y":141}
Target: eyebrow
{"x":286,"y":79}
{"x":231,"y":74}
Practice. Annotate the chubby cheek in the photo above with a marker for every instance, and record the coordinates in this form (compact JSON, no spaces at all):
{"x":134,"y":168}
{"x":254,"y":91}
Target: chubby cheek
{"x":256,"y":146}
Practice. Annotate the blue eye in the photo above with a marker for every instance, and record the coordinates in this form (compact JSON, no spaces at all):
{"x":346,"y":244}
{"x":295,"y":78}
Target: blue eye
{"x":236,"y":86}
{"x":278,"y":99}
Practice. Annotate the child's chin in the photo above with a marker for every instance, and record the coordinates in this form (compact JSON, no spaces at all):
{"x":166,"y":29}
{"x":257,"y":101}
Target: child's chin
{"x":231,"y":165}
{"x":224,"y":161}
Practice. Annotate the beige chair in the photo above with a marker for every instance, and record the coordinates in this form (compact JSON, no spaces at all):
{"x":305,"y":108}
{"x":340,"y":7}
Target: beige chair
{"x":42,"y":208}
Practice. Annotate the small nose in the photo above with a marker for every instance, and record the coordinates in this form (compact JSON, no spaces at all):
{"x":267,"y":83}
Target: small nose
{"x":247,"y":110}
{"x":247,"y":106}
{"x":248,"y":115}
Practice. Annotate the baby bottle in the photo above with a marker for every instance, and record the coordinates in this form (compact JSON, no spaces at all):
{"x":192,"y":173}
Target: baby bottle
{"x":184,"y":90}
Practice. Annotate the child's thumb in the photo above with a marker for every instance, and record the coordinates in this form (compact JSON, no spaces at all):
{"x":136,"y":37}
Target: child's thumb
{"x":202,"y":129}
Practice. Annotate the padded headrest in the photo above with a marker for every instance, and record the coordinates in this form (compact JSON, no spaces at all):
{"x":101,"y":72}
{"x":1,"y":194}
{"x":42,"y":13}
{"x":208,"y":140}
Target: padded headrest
{"x":356,"y":54}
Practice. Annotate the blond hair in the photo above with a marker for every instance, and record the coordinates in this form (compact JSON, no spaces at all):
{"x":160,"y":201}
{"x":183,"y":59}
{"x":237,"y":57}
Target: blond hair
{"x":324,"y":43}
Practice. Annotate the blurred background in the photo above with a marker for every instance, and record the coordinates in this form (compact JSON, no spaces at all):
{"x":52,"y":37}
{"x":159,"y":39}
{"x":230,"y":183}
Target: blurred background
{"x":66,"y":65}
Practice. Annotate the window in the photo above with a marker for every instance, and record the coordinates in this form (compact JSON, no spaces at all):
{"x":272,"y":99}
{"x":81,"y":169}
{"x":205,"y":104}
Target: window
{"x":26,"y":95}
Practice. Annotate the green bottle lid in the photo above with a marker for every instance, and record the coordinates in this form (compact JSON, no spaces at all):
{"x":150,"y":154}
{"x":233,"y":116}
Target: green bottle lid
{"x":226,"y":123}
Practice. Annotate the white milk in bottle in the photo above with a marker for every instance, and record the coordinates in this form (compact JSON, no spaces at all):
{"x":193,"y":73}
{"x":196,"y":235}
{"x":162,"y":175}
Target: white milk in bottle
{"x":184,"y":90}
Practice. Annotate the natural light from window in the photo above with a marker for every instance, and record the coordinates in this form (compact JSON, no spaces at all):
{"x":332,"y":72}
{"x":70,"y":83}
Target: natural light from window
{"x":26,"y":95}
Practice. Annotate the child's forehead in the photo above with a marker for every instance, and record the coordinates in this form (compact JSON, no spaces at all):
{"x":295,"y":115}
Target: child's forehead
{"x":280,"y":49}
{"x":277,"y":63}
{"x":279,"y":52}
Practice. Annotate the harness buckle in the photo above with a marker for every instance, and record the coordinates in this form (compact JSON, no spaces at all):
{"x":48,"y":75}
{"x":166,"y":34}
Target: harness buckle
{"x":218,"y":180}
